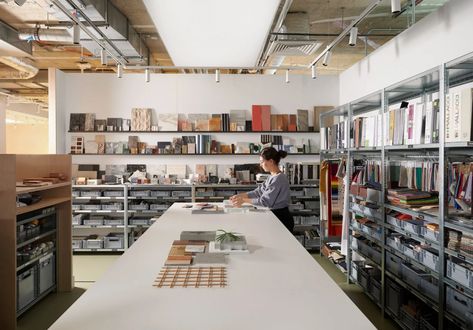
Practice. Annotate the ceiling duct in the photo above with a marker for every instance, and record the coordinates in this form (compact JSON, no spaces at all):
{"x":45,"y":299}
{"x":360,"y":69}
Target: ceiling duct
{"x":114,"y":25}
{"x":23,"y":69}
{"x":61,"y":36}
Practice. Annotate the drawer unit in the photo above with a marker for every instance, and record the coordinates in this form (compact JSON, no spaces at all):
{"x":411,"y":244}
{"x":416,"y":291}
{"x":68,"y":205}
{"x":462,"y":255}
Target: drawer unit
{"x":413,"y":226}
{"x":26,"y":287}
{"x":395,"y":243}
{"x":93,"y":243}
{"x":431,"y":235}
{"x":138,"y":207}
{"x":430,"y":287}
{"x":159,"y":207}
{"x":460,"y":305}
{"x":113,"y":206}
{"x":46,"y":272}
{"x":429,"y":258}
{"x":393,"y":264}
{"x":138,"y":221}
{"x":459,"y":273}
{"x":93,"y":221}
{"x":114,"y":241}
{"x":412,"y":275}
{"x":375,"y":289}
{"x":114,"y":222}
{"x":91,"y":207}
{"x":394,"y":221}
{"x":181,"y":193}
{"x":410,"y":252}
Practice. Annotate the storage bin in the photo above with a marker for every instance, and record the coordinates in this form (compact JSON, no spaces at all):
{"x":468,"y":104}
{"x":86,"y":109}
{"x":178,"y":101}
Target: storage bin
{"x":139,"y":207}
{"x":26,"y":287}
{"x":364,"y":278}
{"x":75,"y":193}
{"x":428,"y":322}
{"x":90,"y":193}
{"x":460,"y":274}
{"x":224,"y":193}
{"x":354,"y":243}
{"x":181,"y":193}
{"x":140,"y":193}
{"x":459,"y":305}
{"x":113,"y":207}
{"x":76,"y":207}
{"x":375,"y":289}
{"x":114,"y":241}
{"x":410,"y":252}
{"x":429,"y":286}
{"x":413,"y":226}
{"x":160,"y":193}
{"x":77,"y":219}
{"x":393,"y":264}
{"x":114,"y":222}
{"x":91,"y":207}
{"x":93,"y":243}
{"x":159,"y":207}
{"x":430,"y":234}
{"x":395,"y":244}
{"x":138,"y":221}
{"x":356,"y":225}
{"x":204,"y":193}
{"x":93,"y":222}
{"x":394,"y":221}
{"x":77,"y":243}
{"x":412,"y":275}
{"x":372,"y":213}
{"x":113,"y":193}
{"x":374,"y":254}
{"x":296,"y":193}
{"x":355,"y":267}
{"x":411,"y":322}
{"x":429,"y":258}
{"x":46,"y":272}
{"x":393,"y":297}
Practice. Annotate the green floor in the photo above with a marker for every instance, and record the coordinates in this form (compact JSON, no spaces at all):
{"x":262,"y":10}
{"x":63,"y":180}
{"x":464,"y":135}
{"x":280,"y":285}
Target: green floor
{"x":87,"y":269}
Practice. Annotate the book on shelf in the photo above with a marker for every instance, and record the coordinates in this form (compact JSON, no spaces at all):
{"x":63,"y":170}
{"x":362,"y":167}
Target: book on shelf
{"x":458,"y":116}
{"x":334,"y":137}
{"x":237,"y":120}
{"x":260,"y":116}
{"x":302,"y":120}
{"x":460,"y":190}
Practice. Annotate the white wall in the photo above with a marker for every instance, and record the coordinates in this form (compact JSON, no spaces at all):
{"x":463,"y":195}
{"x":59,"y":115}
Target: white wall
{"x":438,"y":38}
{"x":57,"y":111}
{"x":108,"y":96}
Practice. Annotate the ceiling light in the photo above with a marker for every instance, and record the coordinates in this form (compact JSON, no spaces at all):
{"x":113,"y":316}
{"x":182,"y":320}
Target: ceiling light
{"x":76,"y":34}
{"x":103,"y":57}
{"x":213,"y":37}
{"x":353,"y":36}
{"x":314,"y":72}
{"x":287,"y":76}
{"x":217,"y":75}
{"x":327,"y":56}
{"x":20,"y":2}
{"x":119,"y":70}
{"x":395,"y":6}
{"x":147,"y":75}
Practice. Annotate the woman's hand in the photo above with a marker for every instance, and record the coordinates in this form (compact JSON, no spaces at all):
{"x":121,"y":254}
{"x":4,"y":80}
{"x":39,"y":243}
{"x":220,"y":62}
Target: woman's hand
{"x":237,"y":200}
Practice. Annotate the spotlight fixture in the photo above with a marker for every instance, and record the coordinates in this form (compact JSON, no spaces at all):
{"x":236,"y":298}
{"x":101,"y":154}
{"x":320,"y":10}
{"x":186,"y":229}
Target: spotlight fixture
{"x":287,"y":76}
{"x":395,"y":6}
{"x":353,"y":36}
{"x":119,"y":70}
{"x":147,"y":75}
{"x":217,"y":75}
{"x":76,"y":34}
{"x":20,"y":2}
{"x":327,"y":56}
{"x":103,"y":57}
{"x":314,"y":72}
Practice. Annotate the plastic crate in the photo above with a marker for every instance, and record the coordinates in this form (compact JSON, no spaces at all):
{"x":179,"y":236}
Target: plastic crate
{"x":430,"y":234}
{"x":224,"y":193}
{"x":428,"y":322}
{"x":393,"y":264}
{"x":410,"y":252}
{"x":159,"y":207}
{"x":354,"y":243}
{"x":429,"y":258}
{"x":160,"y":193}
{"x":395,"y":244}
{"x":113,"y":193}
{"x":375,"y":289}
{"x":296,"y":193}
{"x":113,"y":207}
{"x":408,"y":320}
{"x":93,"y":222}
{"x":430,"y":287}
{"x":459,"y":305}
{"x":355,"y":267}
{"x":181,"y":193}
{"x":46,"y":273}
{"x":413,"y":226}
{"x":91,"y":207}
{"x":412,"y":275}
{"x":26,"y":287}
{"x":394,"y":221}
{"x":356,"y":225}
{"x":77,"y":219}
{"x":364,"y":278}
{"x":75,"y":193}
{"x":93,"y":243}
{"x":113,"y":241}
{"x":77,"y":243}
{"x":459,"y":274}
{"x":139,"y":207}
{"x":374,"y":254}
{"x":393,"y":297}
{"x":138,"y":221}
{"x":90,"y":193}
{"x":140,"y":193}
{"x":76,"y":207}
{"x":113,"y":222}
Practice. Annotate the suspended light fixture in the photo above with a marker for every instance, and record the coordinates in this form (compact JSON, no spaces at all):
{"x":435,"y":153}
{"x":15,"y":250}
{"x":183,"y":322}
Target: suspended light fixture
{"x":103,"y":57}
{"x":76,"y":34}
{"x":353,"y":36}
{"x":287,"y":76}
{"x":217,"y":75}
{"x":314,"y":72}
{"x":395,"y":6}
{"x":119,"y":70}
{"x":327,"y":56}
{"x":147,"y":75}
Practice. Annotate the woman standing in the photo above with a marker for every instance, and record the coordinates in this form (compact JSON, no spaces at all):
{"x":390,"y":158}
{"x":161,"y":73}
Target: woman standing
{"x":274,"y":192}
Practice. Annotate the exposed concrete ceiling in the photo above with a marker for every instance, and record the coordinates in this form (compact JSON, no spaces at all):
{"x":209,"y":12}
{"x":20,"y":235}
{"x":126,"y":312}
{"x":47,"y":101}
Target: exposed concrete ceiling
{"x":326,"y":19}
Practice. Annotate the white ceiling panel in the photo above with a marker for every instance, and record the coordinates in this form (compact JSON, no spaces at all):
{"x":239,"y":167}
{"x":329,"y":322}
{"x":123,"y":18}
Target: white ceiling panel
{"x":213,"y":32}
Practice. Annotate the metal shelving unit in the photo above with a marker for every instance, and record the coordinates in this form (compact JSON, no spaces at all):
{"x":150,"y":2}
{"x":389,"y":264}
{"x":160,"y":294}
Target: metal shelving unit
{"x":431,"y":84}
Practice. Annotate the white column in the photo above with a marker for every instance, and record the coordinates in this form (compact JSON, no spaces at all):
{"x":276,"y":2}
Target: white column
{"x":52,"y":138}
{"x":3,"y":124}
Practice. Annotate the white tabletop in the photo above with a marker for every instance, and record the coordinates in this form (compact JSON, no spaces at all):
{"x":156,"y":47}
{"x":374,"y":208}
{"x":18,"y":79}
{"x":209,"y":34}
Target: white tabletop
{"x":278,"y":285}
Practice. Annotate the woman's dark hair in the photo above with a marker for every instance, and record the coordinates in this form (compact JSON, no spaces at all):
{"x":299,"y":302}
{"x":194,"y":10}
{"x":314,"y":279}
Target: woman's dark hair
{"x":271,"y":153}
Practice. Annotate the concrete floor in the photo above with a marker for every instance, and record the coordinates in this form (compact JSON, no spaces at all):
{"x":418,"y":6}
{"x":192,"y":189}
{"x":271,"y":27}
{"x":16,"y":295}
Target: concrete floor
{"x":88,"y":269}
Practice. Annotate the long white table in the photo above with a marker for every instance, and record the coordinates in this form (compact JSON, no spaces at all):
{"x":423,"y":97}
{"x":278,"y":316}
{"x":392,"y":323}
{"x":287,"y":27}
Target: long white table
{"x":278,"y":285}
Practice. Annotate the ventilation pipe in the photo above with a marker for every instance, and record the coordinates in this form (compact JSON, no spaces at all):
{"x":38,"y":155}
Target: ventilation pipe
{"x":46,"y":35}
{"x":24,"y":69}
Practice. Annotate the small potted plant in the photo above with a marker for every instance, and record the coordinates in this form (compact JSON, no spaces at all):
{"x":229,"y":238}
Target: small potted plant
{"x":227,"y":240}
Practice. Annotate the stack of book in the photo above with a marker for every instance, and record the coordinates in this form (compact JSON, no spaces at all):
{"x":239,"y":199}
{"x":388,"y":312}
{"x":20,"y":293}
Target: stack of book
{"x":367,"y":132}
{"x":334,"y":137}
{"x":302,"y":173}
{"x":411,"y":197}
{"x":461,"y":177}
{"x":458,"y":116}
